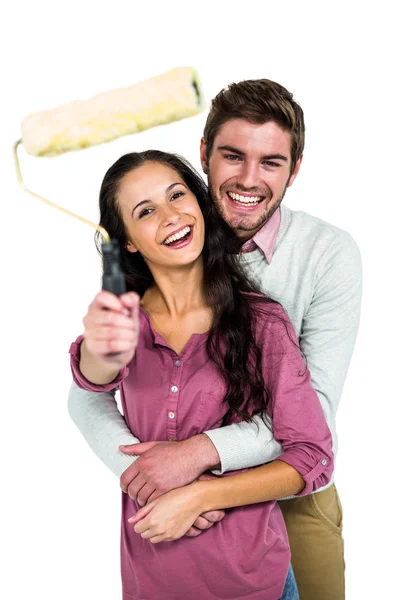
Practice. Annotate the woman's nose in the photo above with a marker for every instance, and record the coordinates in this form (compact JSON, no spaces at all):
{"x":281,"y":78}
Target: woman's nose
{"x":170,"y":216}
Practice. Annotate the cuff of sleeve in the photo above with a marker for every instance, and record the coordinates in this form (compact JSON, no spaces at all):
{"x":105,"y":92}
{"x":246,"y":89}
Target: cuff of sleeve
{"x":230,"y":454}
{"x":323,"y":466}
{"x":120,"y":461}
{"x":81,"y":381}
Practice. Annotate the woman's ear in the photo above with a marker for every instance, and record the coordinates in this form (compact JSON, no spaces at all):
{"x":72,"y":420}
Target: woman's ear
{"x":130,"y":247}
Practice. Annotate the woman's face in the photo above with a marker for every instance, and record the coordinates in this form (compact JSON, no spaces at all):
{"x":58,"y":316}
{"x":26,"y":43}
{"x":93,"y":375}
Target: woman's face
{"x":161,"y":215}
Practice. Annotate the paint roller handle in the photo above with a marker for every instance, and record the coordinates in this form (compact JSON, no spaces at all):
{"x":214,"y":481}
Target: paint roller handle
{"x":113,"y":277}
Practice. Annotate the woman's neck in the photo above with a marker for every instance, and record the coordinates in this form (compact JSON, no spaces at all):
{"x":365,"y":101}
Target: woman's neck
{"x":176,"y":292}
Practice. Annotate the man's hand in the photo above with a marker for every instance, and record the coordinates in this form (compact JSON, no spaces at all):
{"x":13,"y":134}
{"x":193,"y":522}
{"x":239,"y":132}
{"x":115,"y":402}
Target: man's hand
{"x":164,"y":466}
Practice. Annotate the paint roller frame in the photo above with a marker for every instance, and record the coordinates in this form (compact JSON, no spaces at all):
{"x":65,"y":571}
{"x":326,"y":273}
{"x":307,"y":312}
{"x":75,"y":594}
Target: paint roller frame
{"x":113,"y":278}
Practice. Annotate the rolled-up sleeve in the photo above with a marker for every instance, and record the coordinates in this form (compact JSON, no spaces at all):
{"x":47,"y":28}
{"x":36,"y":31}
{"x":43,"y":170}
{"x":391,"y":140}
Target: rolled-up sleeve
{"x":81,"y":381}
{"x":298,"y":420}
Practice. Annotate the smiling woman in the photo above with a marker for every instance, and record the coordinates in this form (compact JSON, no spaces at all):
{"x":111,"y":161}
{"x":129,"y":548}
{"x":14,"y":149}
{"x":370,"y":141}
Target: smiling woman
{"x":157,"y":206}
{"x":212,"y":350}
{"x":153,"y":203}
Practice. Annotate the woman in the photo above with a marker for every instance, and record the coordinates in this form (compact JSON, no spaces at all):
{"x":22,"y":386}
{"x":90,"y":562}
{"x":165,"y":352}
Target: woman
{"x":211,"y":350}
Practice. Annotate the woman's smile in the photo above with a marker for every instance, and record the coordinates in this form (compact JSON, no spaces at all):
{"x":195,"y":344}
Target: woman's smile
{"x":180,"y":238}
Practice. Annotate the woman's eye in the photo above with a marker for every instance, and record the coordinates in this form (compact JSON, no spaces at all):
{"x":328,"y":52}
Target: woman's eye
{"x":145,"y":211}
{"x":176,"y":195}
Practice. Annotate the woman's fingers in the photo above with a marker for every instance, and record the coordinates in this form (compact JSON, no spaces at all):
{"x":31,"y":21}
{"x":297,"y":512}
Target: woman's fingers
{"x":105,"y":333}
{"x":99,"y":317}
{"x":109,"y":309}
{"x":158,"y":538}
{"x":141,"y":515}
{"x":130,"y":300}
{"x":112,"y":326}
{"x":107,"y":300}
{"x":100,"y":348}
{"x":146,"y":534}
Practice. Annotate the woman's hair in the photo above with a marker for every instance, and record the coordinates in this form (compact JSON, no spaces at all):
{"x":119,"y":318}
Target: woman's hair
{"x":257,"y":101}
{"x":234,"y":299}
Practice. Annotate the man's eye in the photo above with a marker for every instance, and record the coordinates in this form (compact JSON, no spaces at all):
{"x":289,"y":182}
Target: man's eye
{"x":176,"y":195}
{"x":145,"y":211}
{"x":233,"y":157}
{"x":271,"y":163}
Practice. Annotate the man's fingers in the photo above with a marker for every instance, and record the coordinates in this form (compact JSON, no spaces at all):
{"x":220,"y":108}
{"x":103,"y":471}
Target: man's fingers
{"x":202,"y":523}
{"x":207,"y":519}
{"x":136,"y":485}
{"x":193,"y":532}
{"x":213,"y":515}
{"x":154,"y":495}
{"x":145,"y":493}
{"x":128,"y":476}
{"x":137,"y":449}
{"x":129,"y":449}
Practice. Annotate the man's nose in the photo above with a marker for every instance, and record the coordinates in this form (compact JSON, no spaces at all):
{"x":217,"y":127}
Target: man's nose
{"x":249,"y":176}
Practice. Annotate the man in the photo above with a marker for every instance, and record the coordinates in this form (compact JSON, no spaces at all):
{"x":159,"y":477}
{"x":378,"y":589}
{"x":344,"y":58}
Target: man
{"x":251,"y":152}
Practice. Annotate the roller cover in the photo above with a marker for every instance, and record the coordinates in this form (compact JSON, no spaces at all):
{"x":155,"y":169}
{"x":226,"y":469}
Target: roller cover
{"x":168,"y":97}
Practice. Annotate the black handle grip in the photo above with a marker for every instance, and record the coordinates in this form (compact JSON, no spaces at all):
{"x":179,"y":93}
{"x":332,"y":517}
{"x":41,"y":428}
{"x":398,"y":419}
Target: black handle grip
{"x":113,"y":277}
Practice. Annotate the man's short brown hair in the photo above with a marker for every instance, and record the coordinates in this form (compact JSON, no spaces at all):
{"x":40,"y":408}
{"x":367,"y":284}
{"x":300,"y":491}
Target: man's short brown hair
{"x":257,"y":101}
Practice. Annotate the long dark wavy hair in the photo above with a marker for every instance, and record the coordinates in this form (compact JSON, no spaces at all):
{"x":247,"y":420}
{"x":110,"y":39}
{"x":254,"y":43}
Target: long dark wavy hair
{"x":233,"y":297}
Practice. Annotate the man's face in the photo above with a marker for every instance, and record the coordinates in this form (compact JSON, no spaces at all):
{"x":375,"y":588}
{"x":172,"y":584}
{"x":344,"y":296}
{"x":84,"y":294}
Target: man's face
{"x":248,"y":173}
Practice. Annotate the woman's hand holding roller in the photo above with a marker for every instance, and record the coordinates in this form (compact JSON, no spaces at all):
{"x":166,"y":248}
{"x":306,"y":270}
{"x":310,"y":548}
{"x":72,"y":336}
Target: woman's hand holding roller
{"x":110,"y":336}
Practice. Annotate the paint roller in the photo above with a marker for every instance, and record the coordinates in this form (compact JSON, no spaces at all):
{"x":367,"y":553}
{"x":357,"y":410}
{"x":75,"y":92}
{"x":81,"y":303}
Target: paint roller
{"x":169,"y":97}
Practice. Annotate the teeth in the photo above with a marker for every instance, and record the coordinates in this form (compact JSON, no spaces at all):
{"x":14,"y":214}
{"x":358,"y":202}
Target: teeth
{"x":177,"y":236}
{"x":244,"y":199}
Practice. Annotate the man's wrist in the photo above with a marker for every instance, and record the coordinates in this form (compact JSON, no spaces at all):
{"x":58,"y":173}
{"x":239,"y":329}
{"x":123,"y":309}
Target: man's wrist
{"x":204,"y":453}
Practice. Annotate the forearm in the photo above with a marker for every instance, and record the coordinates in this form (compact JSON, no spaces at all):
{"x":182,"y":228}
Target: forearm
{"x":99,"y":420}
{"x":269,"y":482}
{"x":95,"y":370}
{"x":203,"y":453}
{"x":243,"y":445}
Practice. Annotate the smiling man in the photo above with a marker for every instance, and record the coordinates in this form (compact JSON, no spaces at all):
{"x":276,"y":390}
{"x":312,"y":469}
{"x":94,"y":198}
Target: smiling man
{"x":251,"y":151}
{"x":251,"y":167}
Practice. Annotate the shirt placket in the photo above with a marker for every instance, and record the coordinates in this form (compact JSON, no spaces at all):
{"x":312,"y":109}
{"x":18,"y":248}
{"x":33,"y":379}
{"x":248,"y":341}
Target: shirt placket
{"x":173,"y":398}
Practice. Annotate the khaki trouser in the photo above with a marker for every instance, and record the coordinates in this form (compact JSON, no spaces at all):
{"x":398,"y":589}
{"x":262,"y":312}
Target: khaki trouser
{"x":314,"y":525}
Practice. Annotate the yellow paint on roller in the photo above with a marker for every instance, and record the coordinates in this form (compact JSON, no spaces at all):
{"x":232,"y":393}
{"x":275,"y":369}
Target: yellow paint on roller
{"x":157,"y":101}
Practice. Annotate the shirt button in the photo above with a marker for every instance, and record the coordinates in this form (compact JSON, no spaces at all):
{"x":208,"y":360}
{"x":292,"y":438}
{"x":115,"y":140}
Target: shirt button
{"x":323,"y":461}
{"x":174,"y":389}
{"x":178,"y":363}
{"x":171,"y":415}
{"x":171,"y":438}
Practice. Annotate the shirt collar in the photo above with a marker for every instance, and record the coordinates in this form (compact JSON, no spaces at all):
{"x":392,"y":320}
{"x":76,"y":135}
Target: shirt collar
{"x":265,"y":238}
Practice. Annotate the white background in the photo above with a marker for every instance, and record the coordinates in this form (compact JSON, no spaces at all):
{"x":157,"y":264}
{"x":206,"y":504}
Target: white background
{"x":60,"y":506}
